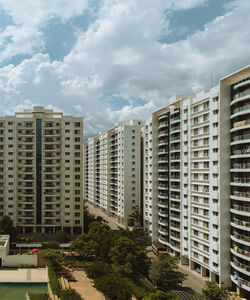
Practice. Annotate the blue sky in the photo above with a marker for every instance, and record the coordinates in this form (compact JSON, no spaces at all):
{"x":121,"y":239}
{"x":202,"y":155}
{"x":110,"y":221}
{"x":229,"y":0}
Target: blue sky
{"x":111,"y":60}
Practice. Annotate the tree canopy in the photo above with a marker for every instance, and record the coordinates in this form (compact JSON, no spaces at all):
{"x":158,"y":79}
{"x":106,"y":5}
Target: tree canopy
{"x":212,"y":291}
{"x":164,"y":273}
{"x":7,"y":227}
{"x":160,"y":295}
{"x":128,"y":258}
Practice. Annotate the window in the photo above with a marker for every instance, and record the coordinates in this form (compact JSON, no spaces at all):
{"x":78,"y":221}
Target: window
{"x":77,"y":124}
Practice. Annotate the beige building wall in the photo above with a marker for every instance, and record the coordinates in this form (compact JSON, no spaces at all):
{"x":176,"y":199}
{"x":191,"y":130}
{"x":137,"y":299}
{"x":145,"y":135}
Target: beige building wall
{"x":41,"y":170}
{"x":113,"y":171}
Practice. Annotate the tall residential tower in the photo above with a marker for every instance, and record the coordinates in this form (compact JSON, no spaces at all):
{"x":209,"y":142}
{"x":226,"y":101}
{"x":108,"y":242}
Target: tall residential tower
{"x":113,"y":171}
{"x":41,"y":171}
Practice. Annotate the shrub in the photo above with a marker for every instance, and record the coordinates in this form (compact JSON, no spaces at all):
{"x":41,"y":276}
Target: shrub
{"x":50,"y":245}
{"x":160,"y":295}
{"x":38,"y":296}
{"x":70,"y":294}
{"x":53,"y":281}
{"x":138,"y":291}
{"x":113,"y":286}
{"x":97,"y":269}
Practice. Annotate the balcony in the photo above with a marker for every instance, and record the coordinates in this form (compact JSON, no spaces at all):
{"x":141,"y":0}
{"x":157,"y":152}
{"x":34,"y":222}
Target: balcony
{"x":243,"y":138}
{"x":241,"y":209}
{"x":240,"y":238}
{"x":240,"y":110}
{"x":240,"y":152}
{"x":245,"y":283}
{"x":240,"y":181}
{"x":243,"y":196}
{"x":241,"y":267}
{"x":240,"y":252}
{"x":245,"y":225}
{"x":162,"y":204}
{"x":163,"y":195}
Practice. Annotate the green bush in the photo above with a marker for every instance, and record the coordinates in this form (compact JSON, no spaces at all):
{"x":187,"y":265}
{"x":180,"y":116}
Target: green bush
{"x":38,"y":296}
{"x":53,"y":281}
{"x":160,"y":295}
{"x":97,"y":269}
{"x":26,"y":266}
{"x":50,"y":245}
{"x":113,"y":286}
{"x":138,"y":291}
{"x":70,"y":294}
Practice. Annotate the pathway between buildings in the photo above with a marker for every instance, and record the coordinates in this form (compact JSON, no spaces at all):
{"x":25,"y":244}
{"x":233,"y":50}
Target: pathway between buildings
{"x":85,"y":287}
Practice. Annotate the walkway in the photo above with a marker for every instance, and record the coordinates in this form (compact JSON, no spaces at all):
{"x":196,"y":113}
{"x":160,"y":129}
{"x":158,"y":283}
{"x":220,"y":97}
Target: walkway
{"x":111,"y":221}
{"x":194,"y":280}
{"x":24,"y":275}
{"x":85,"y":287}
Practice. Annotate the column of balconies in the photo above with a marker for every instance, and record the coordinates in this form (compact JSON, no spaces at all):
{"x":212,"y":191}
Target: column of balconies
{"x":175,"y":192}
{"x":240,"y":182}
{"x":113,"y":174}
{"x":2,"y":171}
{"x":163,"y":179}
{"x":51,"y":174}
{"x":26,"y":175}
{"x":86,"y":174}
{"x":97,"y":174}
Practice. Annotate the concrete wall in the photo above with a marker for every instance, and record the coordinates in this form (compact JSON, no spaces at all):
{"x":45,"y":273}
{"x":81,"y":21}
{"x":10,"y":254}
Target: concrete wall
{"x":16,"y":260}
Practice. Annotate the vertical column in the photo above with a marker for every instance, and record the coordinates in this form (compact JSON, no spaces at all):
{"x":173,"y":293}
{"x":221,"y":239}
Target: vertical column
{"x":38,"y":171}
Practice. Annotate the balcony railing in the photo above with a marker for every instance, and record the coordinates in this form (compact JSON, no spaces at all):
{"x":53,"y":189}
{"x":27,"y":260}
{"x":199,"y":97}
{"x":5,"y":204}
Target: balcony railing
{"x":241,"y":165}
{"x":242,"y":237}
{"x":241,"y":108}
{"x":241,"y":194}
{"x":241,"y":180}
{"x":241,"y":208}
{"x":241,"y":251}
{"x":240,"y":222}
{"x":241,"y":137}
{"x":241,"y":265}
{"x":241,"y":151}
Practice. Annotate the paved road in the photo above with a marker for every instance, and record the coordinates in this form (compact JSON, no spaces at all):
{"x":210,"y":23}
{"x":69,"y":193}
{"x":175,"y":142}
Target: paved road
{"x":111,"y":221}
{"x":194,"y":280}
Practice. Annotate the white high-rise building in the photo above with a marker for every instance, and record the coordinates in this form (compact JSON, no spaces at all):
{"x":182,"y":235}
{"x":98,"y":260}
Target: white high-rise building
{"x":41,"y":171}
{"x":197,"y":181}
{"x":113,"y":171}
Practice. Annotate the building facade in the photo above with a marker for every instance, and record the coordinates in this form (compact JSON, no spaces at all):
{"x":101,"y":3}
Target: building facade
{"x":196,"y":179}
{"x":41,"y":171}
{"x":113,"y":171}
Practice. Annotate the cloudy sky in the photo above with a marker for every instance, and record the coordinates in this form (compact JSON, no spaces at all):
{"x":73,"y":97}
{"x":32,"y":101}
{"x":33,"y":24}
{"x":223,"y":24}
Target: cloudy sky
{"x":111,"y":60}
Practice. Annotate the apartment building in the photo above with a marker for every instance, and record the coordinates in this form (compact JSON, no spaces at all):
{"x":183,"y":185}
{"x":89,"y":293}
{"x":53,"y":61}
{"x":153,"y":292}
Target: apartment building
{"x":113,"y":171}
{"x":196,"y":180}
{"x":41,"y":171}
{"x":235,"y":95}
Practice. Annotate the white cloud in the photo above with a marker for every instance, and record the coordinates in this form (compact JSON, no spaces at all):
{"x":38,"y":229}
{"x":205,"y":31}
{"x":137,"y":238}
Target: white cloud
{"x":35,"y":13}
{"x":118,"y":61}
{"x":19,"y":41}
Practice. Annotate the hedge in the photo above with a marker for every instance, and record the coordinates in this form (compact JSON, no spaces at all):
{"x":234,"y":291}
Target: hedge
{"x":70,"y":294}
{"x":38,"y":296}
{"x":53,"y":281}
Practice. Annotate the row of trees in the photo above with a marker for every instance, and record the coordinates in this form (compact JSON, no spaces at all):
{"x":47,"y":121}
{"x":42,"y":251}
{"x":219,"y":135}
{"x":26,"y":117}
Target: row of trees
{"x":117,"y":262}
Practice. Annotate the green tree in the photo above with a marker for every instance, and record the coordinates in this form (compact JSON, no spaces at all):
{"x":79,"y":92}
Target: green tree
{"x":98,"y":231}
{"x":52,"y":255}
{"x":160,"y":295}
{"x":97,"y":269}
{"x":61,"y":237}
{"x":88,"y":218}
{"x":113,"y":286}
{"x":6,"y":227}
{"x":85,"y":247}
{"x":70,"y":294}
{"x":128,"y":258}
{"x":164,"y":273}
{"x":212,"y":291}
